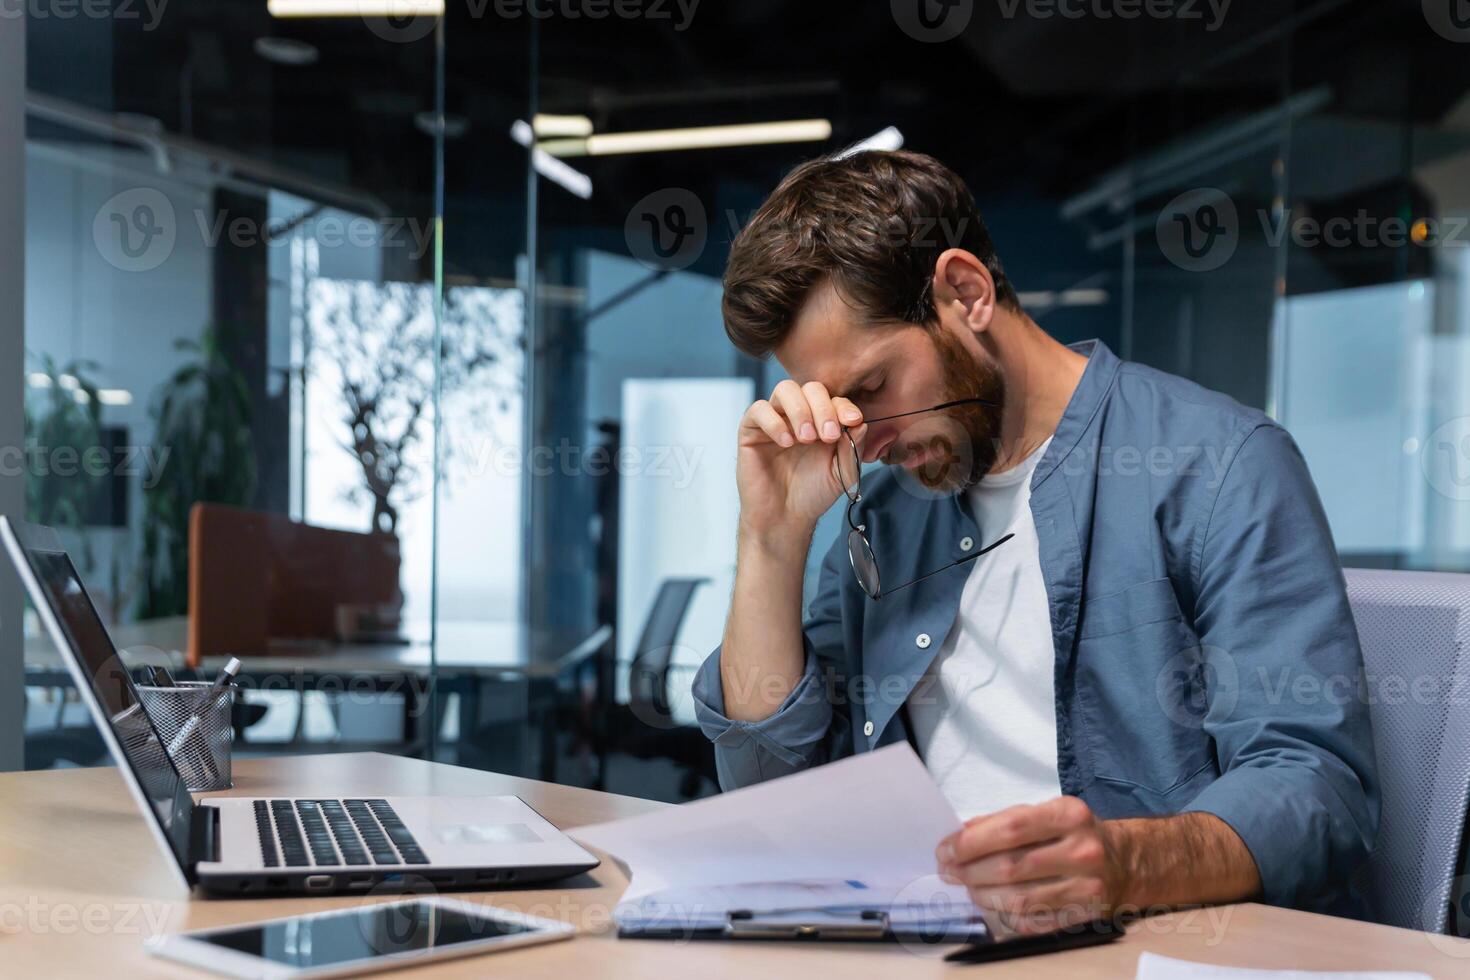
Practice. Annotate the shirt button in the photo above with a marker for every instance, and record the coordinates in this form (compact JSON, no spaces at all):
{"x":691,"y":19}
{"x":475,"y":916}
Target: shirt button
{"x":966,"y":544}
{"x":868,"y":729}
{"x":922,"y":641}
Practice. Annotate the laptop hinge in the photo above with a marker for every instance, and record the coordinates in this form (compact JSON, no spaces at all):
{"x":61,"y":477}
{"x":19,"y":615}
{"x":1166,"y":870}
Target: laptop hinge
{"x":204,"y":834}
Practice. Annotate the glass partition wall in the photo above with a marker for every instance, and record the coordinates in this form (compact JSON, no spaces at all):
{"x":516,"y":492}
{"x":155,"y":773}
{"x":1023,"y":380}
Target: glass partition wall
{"x":1267,"y":201}
{"x":232,"y":382}
{"x":426,"y":312}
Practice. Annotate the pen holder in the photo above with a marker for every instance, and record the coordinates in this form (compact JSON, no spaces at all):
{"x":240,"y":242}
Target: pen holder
{"x":196,"y":730}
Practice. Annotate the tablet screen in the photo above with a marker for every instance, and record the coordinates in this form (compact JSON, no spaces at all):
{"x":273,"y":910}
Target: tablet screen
{"x":361,"y":934}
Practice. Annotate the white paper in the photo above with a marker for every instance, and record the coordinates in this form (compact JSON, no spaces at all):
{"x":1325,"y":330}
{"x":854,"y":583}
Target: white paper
{"x":1151,"y":966}
{"x":863,"y":829}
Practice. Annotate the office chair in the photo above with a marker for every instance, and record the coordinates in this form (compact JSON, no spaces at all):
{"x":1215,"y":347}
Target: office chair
{"x":77,"y":745}
{"x":644,"y":728}
{"x":1412,"y":626}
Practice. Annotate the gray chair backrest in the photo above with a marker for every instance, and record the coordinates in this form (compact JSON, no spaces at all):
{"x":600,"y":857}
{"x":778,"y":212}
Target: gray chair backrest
{"x":648,"y":682}
{"x":1415,"y":632}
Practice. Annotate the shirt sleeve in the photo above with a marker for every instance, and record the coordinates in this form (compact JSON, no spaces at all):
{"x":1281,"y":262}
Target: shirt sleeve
{"x":1283,"y":678}
{"x":808,"y":729}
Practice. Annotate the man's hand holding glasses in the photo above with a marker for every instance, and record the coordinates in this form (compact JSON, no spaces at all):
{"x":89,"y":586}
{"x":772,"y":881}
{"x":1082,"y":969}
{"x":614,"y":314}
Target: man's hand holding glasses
{"x":799,"y":451}
{"x":786,"y":476}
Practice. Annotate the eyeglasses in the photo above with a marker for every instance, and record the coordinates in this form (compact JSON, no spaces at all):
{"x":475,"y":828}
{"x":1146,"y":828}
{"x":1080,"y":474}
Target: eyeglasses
{"x":849,"y":465}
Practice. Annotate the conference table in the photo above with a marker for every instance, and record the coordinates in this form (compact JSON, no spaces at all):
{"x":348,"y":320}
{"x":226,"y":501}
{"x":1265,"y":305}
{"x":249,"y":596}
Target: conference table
{"x":82,"y":886}
{"x":466,"y":659}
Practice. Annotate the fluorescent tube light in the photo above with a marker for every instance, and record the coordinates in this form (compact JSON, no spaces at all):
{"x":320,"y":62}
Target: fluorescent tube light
{"x":552,"y":126}
{"x":549,"y":166}
{"x":888,"y":139}
{"x":355,"y":8}
{"x":697,"y":138}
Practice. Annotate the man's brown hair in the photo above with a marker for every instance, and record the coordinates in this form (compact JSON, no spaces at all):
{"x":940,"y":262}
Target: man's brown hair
{"x":874,"y":222}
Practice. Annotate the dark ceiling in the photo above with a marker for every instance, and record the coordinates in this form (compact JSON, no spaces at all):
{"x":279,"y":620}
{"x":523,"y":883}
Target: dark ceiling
{"x":1048,"y":104}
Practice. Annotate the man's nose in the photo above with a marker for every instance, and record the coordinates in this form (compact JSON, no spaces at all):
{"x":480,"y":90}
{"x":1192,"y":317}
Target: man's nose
{"x":878,"y":440}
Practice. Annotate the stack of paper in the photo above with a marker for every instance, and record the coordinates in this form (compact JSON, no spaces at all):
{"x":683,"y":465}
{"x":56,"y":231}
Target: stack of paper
{"x":1151,"y":966}
{"x":857,"y":833}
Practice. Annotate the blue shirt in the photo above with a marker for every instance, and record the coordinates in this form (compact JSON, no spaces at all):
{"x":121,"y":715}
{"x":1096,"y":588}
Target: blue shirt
{"x":1205,"y":655}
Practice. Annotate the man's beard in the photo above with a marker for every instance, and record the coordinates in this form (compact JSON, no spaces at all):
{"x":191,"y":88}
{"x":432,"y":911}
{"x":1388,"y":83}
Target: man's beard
{"x":961,"y":443}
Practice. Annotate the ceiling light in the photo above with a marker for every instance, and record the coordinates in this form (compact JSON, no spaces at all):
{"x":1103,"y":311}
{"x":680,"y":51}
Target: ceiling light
{"x":549,"y":166}
{"x":355,"y":8}
{"x":429,"y":124}
{"x":697,"y":138}
{"x":551,"y":126}
{"x":115,"y":396}
{"x":287,"y":51}
{"x":888,"y":139}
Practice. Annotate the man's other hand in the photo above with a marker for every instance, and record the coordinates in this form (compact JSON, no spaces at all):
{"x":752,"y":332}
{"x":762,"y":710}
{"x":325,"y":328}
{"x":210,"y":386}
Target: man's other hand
{"x":1037,"y":867}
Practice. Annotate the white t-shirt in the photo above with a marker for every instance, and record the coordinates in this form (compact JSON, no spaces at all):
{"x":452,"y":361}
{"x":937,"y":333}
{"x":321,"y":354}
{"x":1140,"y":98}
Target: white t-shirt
{"x":984,"y":715}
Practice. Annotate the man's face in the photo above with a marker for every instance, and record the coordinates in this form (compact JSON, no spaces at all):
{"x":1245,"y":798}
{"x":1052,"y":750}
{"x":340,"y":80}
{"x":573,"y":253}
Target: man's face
{"x":890,"y":369}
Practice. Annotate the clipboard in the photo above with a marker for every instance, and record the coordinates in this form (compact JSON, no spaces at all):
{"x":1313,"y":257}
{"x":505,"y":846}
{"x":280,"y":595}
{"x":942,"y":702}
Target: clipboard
{"x":813,"y":925}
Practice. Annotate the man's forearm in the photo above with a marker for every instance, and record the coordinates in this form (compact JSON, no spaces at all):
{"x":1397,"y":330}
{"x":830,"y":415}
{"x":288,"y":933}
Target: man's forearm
{"x":763,"y":658}
{"x":1187,"y":859}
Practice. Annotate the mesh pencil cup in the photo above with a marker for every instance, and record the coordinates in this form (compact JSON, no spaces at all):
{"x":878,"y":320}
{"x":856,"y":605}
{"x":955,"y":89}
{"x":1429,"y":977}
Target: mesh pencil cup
{"x":196,"y":729}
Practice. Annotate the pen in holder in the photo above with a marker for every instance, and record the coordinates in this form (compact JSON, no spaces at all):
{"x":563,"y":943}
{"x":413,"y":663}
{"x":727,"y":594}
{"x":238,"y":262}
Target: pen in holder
{"x":193,"y":719}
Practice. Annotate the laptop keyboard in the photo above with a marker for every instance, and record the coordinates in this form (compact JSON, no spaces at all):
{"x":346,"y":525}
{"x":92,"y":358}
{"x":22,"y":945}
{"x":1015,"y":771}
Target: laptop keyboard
{"x":302,"y":833}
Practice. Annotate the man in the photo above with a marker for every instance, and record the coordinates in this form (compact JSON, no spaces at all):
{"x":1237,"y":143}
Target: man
{"x":1082,"y":589}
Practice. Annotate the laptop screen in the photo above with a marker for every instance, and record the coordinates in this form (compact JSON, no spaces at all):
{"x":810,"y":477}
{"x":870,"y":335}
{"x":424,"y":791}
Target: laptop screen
{"x":142,"y":748}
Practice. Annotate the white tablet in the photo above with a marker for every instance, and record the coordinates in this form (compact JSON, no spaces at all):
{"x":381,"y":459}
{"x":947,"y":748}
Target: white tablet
{"x":346,"y":942}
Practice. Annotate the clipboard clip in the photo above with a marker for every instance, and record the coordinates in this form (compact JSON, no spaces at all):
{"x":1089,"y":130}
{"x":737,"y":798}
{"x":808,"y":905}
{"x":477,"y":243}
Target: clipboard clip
{"x":826,"y":924}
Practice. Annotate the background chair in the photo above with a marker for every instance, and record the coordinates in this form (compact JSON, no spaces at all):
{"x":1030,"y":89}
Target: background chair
{"x":1415,"y":630}
{"x":645,"y":728}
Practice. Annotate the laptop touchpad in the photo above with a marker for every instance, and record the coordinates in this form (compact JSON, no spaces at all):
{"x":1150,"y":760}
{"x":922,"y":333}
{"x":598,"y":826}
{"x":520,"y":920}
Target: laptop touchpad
{"x":486,"y":833}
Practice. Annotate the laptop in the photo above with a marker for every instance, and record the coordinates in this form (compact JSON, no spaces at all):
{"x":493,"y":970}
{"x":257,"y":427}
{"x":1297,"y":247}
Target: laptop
{"x":241,"y":846}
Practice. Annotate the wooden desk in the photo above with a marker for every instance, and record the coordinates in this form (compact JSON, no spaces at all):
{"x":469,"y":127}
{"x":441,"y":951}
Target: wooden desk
{"x":81,"y":884}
